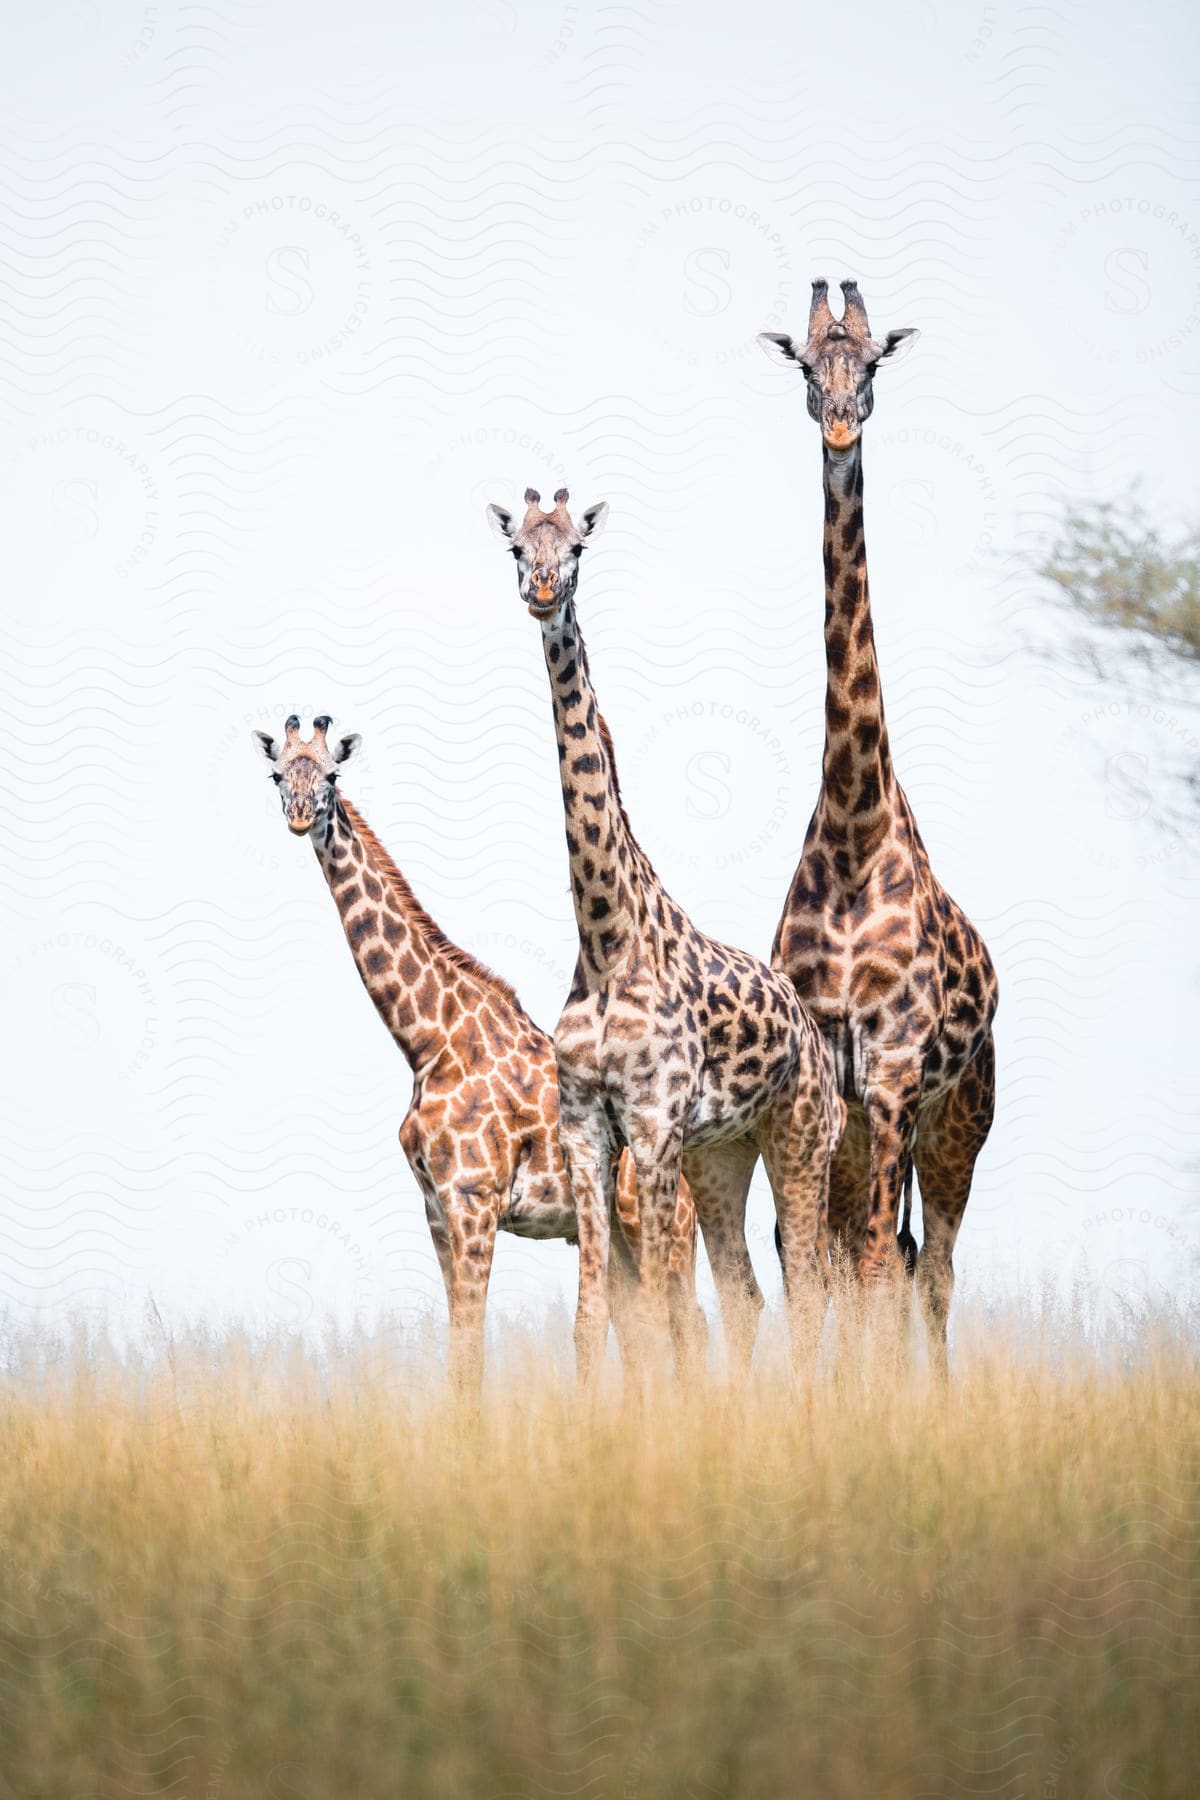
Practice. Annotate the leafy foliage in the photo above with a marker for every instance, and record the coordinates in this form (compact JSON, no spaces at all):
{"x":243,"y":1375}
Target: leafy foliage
{"x":1118,"y":570}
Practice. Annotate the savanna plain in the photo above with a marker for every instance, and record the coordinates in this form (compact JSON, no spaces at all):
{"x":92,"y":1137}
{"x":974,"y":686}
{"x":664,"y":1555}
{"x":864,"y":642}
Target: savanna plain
{"x":248,"y":1567}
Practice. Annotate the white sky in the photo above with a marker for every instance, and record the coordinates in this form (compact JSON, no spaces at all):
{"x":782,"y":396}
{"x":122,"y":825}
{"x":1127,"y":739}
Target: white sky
{"x":289,"y":294}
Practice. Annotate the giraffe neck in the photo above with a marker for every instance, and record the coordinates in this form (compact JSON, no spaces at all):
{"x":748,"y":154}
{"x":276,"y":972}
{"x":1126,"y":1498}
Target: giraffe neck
{"x":406,"y":963}
{"x":857,"y":784}
{"x":609,"y":872}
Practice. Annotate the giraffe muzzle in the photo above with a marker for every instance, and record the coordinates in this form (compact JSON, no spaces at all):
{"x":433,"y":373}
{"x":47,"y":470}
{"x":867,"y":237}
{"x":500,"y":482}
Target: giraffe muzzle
{"x":840,"y":434}
{"x":543,"y":601}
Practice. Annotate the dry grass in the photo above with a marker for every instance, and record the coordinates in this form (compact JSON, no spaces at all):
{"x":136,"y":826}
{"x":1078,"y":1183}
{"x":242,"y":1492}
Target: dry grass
{"x":252,"y":1572}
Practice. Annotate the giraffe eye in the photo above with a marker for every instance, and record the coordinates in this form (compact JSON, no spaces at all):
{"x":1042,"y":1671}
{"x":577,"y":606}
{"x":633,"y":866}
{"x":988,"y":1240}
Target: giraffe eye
{"x":515,"y":552}
{"x":276,"y":777}
{"x":578,"y":549}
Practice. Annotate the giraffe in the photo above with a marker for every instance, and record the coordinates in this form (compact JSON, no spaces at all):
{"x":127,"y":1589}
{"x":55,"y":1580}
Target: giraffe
{"x":690,"y":1054}
{"x":898,"y":978}
{"x":480,"y":1134}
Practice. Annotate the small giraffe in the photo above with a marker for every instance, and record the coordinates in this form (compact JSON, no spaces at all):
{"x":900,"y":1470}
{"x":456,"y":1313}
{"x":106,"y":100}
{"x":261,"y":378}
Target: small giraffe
{"x":897,"y":976}
{"x":687,"y":1052}
{"x":481,"y":1132}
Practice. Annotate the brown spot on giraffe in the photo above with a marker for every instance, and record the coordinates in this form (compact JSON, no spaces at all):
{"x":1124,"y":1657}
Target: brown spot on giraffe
{"x":688,"y":1053}
{"x":481,"y":1131}
{"x":898,"y":978}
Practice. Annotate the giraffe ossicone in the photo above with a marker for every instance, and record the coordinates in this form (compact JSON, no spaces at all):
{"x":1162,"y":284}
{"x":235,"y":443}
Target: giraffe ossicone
{"x":480,"y":1134}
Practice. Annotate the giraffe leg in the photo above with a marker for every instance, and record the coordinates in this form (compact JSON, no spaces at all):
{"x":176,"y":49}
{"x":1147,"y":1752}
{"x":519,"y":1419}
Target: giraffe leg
{"x":953,"y":1130}
{"x":471,"y":1217}
{"x":850,"y":1185}
{"x":413,"y":1148}
{"x":441,"y":1245}
{"x":657,"y":1167}
{"x":719,"y":1177}
{"x":891,"y":1108}
{"x":797,"y":1151}
{"x":849,"y":1190}
{"x":688,"y":1326}
{"x":590,"y":1158}
{"x":623,"y":1245}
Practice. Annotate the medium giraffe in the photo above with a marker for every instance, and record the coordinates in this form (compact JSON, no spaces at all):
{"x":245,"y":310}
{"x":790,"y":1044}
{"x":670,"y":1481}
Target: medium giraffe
{"x":689,"y":1053}
{"x":481,"y":1132}
{"x":897,"y":976}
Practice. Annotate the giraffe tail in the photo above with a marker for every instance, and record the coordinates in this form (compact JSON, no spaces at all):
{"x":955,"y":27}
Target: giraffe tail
{"x":906,"y":1243}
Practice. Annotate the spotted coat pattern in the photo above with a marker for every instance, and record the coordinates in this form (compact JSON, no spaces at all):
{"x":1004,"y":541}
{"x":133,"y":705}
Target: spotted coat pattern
{"x":688,"y":1052}
{"x":896,"y":975}
{"x":481,"y":1132}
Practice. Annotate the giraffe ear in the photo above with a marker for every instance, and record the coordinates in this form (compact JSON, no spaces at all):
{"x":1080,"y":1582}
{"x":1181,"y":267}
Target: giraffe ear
{"x":782,"y":349}
{"x":898,"y":344}
{"x":500,"y":522}
{"x":591,"y":523}
{"x":346,"y":747}
{"x":266,"y":746}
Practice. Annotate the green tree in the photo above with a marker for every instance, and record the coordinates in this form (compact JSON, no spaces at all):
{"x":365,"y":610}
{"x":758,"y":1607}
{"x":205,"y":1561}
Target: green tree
{"x":1118,"y":571}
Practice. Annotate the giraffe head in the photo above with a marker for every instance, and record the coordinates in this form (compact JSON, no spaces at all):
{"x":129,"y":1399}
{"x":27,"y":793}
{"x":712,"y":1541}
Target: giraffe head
{"x":547,"y":547}
{"x":838,"y":362}
{"x":305,"y":773}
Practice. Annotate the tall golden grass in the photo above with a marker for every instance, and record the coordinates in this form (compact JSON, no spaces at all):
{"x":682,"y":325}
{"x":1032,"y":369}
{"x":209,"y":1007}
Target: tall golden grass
{"x":260,"y":1571}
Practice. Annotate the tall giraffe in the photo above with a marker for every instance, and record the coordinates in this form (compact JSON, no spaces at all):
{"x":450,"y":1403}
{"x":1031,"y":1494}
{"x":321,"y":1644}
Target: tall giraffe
{"x":481,"y":1132}
{"x":692,"y":1054}
{"x":899,"y":979}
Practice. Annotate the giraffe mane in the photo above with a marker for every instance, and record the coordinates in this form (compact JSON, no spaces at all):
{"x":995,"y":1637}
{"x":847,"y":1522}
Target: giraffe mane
{"x":606,"y":740}
{"x":610,"y":753}
{"x":385,"y":866}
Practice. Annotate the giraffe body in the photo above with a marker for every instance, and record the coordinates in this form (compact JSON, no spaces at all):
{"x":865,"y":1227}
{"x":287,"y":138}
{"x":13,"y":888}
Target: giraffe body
{"x":896,"y":975}
{"x":904,"y":991}
{"x":481,"y":1131}
{"x":690,"y":1054}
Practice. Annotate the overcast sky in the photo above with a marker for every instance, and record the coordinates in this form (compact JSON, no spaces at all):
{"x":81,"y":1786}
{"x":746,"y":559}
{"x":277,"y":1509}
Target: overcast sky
{"x":289,"y":295}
